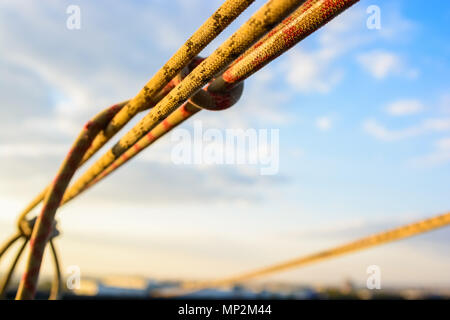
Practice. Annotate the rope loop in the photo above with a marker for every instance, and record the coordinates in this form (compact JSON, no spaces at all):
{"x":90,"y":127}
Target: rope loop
{"x":26,"y":226}
{"x":217,"y":95}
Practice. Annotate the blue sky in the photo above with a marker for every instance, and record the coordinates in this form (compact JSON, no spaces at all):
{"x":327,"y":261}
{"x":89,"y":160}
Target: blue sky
{"x":364,"y":120}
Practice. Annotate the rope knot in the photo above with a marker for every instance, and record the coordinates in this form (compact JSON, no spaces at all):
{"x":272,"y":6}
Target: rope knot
{"x":26,"y":228}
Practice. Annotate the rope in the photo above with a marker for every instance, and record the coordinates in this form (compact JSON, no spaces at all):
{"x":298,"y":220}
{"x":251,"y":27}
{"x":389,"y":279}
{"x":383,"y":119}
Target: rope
{"x":166,"y":96}
{"x":213,"y":26}
{"x":40,"y":197}
{"x":395,"y":234}
{"x":307,"y":18}
{"x":254,"y":29}
{"x":25,"y":230}
{"x":44,"y":223}
{"x":208,"y":98}
{"x":9,"y":243}
{"x":162,"y":82}
{"x":261,"y":22}
{"x":56,"y":284}
{"x":11,"y":269}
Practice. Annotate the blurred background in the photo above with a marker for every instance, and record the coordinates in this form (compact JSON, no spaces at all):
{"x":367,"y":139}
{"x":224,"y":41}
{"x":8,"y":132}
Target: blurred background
{"x":364,"y":122}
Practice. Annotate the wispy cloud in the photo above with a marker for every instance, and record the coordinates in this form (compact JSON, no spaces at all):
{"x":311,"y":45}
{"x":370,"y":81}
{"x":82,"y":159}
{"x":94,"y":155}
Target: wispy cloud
{"x":375,"y":129}
{"x":314,"y":70}
{"x":324,"y":123}
{"x":405,"y":107}
{"x":440,"y":155}
{"x":381,"y":64}
{"x":444,"y":103}
{"x":310,"y":71}
{"x":316,"y":67}
{"x":32,"y":150}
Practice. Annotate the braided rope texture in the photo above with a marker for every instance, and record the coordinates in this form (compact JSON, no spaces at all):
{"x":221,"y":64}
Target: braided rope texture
{"x":44,"y":224}
{"x":270,"y":14}
{"x":163,"y":81}
{"x":210,"y":29}
{"x":41,"y":196}
{"x":203,"y":99}
{"x":146,"y":98}
{"x":311,"y":16}
{"x":259,"y":24}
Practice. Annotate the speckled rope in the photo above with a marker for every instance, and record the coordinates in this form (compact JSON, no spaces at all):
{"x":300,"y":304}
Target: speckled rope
{"x":93,"y":149}
{"x":40,"y":197}
{"x":25,"y":230}
{"x":147,"y":97}
{"x":212,"y":27}
{"x":260,"y":23}
{"x":162,"y":82}
{"x":257,"y":26}
{"x":217,"y":99}
{"x":310,"y":16}
{"x":44,"y":223}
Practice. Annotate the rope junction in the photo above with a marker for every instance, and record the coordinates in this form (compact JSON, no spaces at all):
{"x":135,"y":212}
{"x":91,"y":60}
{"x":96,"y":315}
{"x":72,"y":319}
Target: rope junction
{"x":25,"y":231}
{"x":185,"y":85}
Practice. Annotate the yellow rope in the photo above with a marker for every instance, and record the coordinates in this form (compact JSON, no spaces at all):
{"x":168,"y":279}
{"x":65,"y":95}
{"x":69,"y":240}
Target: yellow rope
{"x":158,"y":87}
{"x":265,"y":18}
{"x":9,"y":274}
{"x":306,"y":19}
{"x":56,"y":288}
{"x":320,"y":12}
{"x":212,"y":27}
{"x":40,"y":197}
{"x":402,"y":232}
{"x":170,"y":109}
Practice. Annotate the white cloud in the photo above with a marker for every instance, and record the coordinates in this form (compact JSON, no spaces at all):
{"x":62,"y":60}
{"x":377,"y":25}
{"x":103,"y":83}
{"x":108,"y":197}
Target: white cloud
{"x":310,"y":71}
{"x":444,"y":103}
{"x":440,"y":155}
{"x":378,"y":131}
{"x":443,"y":144}
{"x":317,"y":70}
{"x":404,"y":107}
{"x":324,"y":123}
{"x":32,"y":150}
{"x":381,"y":64}
{"x":314,"y":70}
